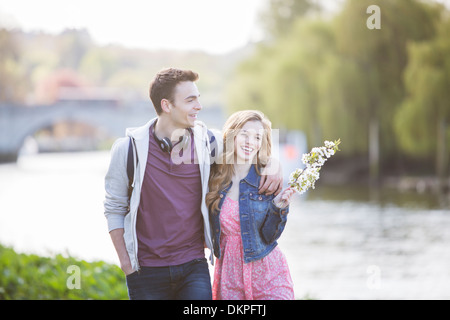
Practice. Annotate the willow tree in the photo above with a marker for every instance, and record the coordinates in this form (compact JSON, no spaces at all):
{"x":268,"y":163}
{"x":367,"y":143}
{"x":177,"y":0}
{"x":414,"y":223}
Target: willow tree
{"x":381,"y":56}
{"x":282,"y":79}
{"x":13,"y":81}
{"x":422,"y":122}
{"x":279,"y":16}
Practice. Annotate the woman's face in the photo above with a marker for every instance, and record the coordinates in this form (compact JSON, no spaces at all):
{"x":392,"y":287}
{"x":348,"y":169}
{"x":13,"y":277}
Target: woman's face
{"x":248,"y":142}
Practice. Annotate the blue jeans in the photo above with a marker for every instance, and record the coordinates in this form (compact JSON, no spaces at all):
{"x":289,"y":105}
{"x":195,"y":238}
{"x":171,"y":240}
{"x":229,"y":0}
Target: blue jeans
{"x":187,"y":281}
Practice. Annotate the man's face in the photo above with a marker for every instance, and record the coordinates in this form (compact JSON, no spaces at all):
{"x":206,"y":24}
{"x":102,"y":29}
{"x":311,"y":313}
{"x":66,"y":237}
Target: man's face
{"x":186,"y":105}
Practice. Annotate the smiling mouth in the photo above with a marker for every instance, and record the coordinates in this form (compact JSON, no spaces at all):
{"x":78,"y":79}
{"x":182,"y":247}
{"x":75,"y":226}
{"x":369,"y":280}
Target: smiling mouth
{"x":247,"y":149}
{"x":193,"y":115}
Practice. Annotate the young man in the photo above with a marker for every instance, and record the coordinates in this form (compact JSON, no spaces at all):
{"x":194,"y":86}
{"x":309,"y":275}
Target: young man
{"x":160,"y":231}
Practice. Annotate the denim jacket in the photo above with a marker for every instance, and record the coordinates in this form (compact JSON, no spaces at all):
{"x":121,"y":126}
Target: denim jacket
{"x":261,"y":221}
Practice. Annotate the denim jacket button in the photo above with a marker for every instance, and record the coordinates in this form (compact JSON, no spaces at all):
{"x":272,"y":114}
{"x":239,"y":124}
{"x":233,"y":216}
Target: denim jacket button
{"x":260,"y":198}
{"x":221,"y":195}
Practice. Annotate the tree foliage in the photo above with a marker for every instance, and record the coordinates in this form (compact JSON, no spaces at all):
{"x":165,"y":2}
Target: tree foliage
{"x":335,"y":78}
{"x":12,"y":74}
{"x":280,"y":15}
{"x":422,"y":120}
{"x":30,"y":59}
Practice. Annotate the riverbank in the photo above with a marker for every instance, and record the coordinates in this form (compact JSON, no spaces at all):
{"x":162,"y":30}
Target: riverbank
{"x":409,"y":177}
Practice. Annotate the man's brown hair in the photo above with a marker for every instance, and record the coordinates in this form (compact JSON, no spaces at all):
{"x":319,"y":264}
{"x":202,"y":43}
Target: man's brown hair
{"x":164,"y":83}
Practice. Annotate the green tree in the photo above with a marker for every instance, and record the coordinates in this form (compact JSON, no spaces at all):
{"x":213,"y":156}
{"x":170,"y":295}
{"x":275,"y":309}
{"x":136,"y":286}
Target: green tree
{"x":13,"y":83}
{"x":99,"y":64}
{"x":338,"y":78}
{"x":302,"y":83}
{"x":280,"y":15}
{"x":245,"y":91}
{"x":73,"y":45}
{"x":422,"y":119}
{"x":298,"y":71}
{"x":381,"y":56}
{"x":339,"y":105}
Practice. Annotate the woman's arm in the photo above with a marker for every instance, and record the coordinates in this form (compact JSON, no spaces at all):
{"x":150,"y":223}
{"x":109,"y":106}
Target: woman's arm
{"x":276,"y":218}
{"x":274,"y":223}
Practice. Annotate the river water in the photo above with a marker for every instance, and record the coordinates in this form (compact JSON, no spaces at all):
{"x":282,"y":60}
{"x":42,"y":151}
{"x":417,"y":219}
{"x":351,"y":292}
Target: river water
{"x":345,"y":248}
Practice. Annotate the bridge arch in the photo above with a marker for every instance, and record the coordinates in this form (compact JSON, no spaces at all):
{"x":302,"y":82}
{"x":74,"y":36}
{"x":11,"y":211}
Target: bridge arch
{"x":48,"y":120}
{"x":17,"y":123}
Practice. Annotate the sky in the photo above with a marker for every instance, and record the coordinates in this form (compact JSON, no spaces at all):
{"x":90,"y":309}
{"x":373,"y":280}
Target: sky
{"x":215,"y":26}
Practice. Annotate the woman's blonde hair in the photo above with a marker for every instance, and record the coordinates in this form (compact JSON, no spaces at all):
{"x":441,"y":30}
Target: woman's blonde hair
{"x":223,"y":170}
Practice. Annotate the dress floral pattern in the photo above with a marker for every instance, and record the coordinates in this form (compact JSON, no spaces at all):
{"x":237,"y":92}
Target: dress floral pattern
{"x":264,"y":279}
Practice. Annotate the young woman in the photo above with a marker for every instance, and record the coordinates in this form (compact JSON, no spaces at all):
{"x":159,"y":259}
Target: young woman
{"x":245,"y":224}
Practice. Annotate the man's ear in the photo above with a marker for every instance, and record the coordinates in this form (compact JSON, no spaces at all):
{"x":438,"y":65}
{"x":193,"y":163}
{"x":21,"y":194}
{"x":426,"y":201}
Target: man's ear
{"x":166,"y":106}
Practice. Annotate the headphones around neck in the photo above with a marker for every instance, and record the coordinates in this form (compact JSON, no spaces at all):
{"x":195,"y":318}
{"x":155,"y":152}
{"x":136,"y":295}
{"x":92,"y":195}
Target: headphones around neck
{"x":165,"y":144}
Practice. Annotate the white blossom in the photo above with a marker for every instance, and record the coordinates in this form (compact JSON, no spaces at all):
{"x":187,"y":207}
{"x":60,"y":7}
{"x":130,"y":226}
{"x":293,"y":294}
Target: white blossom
{"x":303,"y":179}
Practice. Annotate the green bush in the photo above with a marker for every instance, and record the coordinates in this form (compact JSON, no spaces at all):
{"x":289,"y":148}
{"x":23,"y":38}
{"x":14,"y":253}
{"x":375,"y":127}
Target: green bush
{"x":28,"y":276}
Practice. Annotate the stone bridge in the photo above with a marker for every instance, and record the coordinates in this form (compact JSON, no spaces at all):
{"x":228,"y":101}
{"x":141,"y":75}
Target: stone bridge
{"x":18,"y":122}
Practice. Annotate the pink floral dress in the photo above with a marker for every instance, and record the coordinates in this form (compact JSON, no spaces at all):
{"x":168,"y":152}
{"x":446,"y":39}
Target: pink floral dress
{"x":264,"y":279}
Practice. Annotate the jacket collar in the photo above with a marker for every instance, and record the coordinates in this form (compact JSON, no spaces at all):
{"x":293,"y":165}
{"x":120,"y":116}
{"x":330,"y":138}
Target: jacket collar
{"x":142,"y":132}
{"x":253,"y":177}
